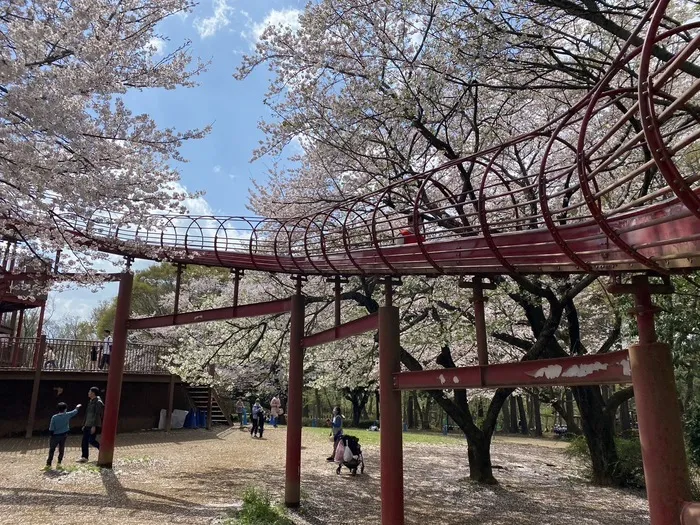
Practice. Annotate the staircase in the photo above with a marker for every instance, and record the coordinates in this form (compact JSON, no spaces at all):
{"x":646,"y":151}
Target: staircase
{"x":200,"y":397}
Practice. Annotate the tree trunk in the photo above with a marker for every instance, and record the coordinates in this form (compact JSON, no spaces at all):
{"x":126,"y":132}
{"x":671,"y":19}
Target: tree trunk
{"x":513,"y":414}
{"x":505,"y":411}
{"x":523,"y":415}
{"x":689,"y":389}
{"x":566,"y":417}
{"x":410,"y":408}
{"x":625,"y":422}
{"x":570,"y":405}
{"x":479,"y":454}
{"x":426,"y":413}
{"x":600,"y":435}
{"x":530,"y":411}
{"x":537,"y":414}
{"x":419,"y":410}
{"x":358,"y":398}
{"x":318,"y":409}
{"x":376,"y":402}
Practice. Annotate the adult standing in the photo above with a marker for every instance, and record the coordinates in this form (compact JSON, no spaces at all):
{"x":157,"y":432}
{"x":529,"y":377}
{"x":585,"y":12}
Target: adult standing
{"x":275,"y":410}
{"x":336,"y":430}
{"x":93,"y":422}
{"x":106,"y":349}
{"x":258,"y":419}
{"x":240,"y":409}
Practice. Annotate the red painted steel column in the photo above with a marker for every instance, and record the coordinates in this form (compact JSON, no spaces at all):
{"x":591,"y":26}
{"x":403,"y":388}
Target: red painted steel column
{"x":391,"y":453}
{"x":659,"y":418}
{"x":480,"y":322}
{"x":292,"y":486}
{"x":116,"y":372}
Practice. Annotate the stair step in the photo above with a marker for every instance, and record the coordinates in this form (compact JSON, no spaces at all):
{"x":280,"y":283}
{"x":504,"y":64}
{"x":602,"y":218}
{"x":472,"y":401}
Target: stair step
{"x":200,"y":397}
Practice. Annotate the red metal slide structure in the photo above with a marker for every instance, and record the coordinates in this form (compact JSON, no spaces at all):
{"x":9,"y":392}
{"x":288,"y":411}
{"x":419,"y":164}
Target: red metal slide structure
{"x":609,"y":186}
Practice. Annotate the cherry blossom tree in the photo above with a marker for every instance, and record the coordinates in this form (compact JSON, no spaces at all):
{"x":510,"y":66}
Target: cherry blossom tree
{"x":70,"y":147}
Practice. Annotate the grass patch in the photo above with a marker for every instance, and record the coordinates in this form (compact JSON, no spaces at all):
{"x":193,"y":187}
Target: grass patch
{"x":367,"y":437}
{"x":258,"y":509}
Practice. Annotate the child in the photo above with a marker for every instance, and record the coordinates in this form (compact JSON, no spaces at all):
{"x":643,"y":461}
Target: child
{"x":59,"y":428}
{"x":50,"y":358}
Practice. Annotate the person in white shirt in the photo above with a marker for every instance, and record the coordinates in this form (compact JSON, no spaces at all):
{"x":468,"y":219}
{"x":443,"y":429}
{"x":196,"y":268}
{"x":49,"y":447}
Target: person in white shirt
{"x":106,"y":349}
{"x":275,"y":410}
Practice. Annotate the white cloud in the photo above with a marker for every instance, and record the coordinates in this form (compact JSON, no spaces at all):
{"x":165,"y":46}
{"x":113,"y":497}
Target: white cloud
{"x":285,"y":18}
{"x":221,"y":17}
{"x":158,"y":45}
{"x":217,"y":169}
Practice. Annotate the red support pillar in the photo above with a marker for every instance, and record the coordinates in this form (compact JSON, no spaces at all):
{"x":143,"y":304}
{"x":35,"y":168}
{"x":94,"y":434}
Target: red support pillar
{"x":292,"y":486}
{"x":480,"y":322}
{"x":659,"y":416}
{"x":116,"y":372}
{"x":390,"y":436}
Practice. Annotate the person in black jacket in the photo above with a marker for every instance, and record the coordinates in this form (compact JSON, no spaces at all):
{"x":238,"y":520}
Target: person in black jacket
{"x":93,"y":422}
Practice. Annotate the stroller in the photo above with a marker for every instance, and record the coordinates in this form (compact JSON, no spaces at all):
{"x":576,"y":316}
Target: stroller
{"x":352,"y":455}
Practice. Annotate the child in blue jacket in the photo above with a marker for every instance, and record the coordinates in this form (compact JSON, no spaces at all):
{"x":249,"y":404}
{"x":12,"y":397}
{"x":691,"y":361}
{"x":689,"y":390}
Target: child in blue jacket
{"x":59,"y":428}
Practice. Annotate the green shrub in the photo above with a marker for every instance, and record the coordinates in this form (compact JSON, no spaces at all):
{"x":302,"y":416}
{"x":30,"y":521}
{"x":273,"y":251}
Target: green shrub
{"x":257,"y":509}
{"x":629,"y":469}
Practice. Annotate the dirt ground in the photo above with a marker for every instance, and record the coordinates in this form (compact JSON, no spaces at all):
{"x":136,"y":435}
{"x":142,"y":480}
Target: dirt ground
{"x":197,"y":477}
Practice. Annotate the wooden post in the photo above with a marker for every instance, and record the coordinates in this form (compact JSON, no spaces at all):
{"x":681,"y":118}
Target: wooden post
{"x":35,"y":386}
{"x":209,"y":404}
{"x":171,"y":396}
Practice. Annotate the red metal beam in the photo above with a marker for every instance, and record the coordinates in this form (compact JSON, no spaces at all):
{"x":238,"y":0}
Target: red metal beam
{"x":216,"y":314}
{"x":8,"y":277}
{"x":13,"y":299}
{"x":613,"y":368}
{"x":356,"y":327}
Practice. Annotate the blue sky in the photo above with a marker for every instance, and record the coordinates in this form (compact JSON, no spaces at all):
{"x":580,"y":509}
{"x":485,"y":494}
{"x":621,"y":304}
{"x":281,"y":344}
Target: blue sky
{"x":221,"y":31}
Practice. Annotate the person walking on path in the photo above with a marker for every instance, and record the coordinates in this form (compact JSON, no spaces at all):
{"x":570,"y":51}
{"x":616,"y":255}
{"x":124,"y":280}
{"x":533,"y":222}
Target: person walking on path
{"x":275,"y":410}
{"x":258,"y":417}
{"x":336,"y":430}
{"x":93,"y":422}
{"x":106,"y":350}
{"x":240,"y":408}
{"x":59,"y":428}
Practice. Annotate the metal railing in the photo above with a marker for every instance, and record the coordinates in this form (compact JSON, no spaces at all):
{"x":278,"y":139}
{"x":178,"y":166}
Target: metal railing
{"x":72,"y":355}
